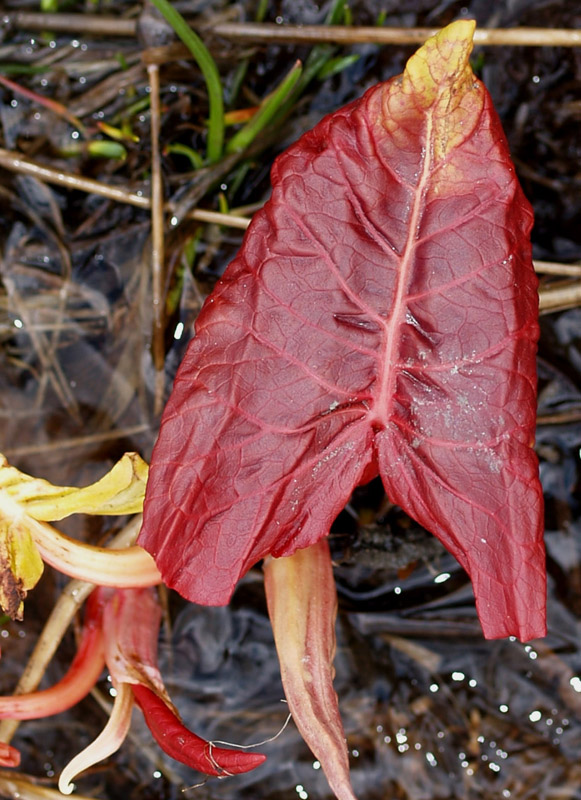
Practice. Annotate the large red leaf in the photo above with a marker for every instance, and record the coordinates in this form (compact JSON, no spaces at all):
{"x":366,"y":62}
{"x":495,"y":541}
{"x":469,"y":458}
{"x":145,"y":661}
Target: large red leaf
{"x":380,"y":317}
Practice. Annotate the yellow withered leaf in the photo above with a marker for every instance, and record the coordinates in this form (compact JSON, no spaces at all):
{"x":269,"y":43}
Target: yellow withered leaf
{"x":26,"y":502}
{"x":120,"y":491}
{"x":20,"y":565}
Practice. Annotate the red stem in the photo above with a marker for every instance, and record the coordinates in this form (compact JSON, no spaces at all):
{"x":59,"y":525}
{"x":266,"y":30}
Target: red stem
{"x":9,"y":756}
{"x":82,"y":675}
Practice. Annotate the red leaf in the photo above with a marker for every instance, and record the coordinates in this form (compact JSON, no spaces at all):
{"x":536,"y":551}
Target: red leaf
{"x":380,"y":317}
{"x":183,"y":745}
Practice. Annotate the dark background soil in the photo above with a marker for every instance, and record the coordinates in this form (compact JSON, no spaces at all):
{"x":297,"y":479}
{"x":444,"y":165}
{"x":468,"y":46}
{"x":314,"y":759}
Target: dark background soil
{"x":430,"y":709}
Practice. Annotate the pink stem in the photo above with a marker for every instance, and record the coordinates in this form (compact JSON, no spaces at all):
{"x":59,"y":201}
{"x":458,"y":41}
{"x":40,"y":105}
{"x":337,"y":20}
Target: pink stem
{"x":9,"y":756}
{"x":82,"y":675}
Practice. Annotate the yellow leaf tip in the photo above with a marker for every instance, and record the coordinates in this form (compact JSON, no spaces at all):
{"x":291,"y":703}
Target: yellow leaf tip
{"x":454,"y":43}
{"x":462,"y":30}
{"x":441,"y":61}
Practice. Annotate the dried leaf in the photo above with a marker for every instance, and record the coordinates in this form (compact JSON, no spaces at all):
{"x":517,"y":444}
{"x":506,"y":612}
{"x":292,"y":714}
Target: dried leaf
{"x":20,"y":565}
{"x":26,"y":501}
{"x":120,"y":491}
{"x":183,"y":745}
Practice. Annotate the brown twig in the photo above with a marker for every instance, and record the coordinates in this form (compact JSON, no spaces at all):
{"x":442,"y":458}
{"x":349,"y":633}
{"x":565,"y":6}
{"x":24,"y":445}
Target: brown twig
{"x":231,"y":220}
{"x":557,"y":298}
{"x":16,"y":162}
{"x":560,"y":417}
{"x":553,"y":268}
{"x":93,"y":24}
{"x":157,"y":242}
{"x":77,"y":441}
{"x":15,"y":785}
{"x":343,"y":34}
{"x":90,"y":24}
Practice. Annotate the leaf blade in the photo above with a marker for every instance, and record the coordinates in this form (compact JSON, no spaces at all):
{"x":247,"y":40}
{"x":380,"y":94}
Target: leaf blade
{"x":381,"y":317}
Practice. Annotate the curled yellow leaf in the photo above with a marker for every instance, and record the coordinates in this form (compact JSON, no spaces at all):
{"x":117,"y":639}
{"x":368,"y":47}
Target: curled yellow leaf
{"x":26,"y":539}
{"x":120,"y":491}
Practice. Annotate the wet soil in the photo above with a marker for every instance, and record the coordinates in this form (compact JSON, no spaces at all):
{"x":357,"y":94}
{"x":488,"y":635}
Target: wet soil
{"x":431,"y":710}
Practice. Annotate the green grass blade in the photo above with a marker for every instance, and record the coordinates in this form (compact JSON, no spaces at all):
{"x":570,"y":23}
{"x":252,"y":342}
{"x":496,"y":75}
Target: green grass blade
{"x":316,"y":59}
{"x":266,"y":113}
{"x":335,"y":65}
{"x":192,"y":155}
{"x":210,"y":72}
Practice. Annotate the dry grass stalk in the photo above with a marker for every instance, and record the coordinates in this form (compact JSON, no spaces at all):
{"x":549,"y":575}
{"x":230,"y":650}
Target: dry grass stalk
{"x":16,"y":162}
{"x":14,"y":785}
{"x":76,"y":441}
{"x":558,"y":298}
{"x":342,"y":34}
{"x":157,"y":241}
{"x":93,"y":24}
{"x":554,"y":268}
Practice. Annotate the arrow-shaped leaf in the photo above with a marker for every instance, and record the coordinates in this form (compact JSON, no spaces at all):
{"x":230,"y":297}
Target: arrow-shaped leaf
{"x":381,"y":317}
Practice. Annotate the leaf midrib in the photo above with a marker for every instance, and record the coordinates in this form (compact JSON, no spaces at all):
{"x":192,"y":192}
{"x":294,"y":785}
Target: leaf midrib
{"x":389,"y":356}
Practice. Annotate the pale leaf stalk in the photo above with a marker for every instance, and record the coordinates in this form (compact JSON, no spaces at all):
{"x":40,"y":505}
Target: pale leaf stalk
{"x":68,"y":604}
{"x":130,"y":568}
{"x":108,"y":742}
{"x":131,"y":621}
{"x":302,"y":605}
